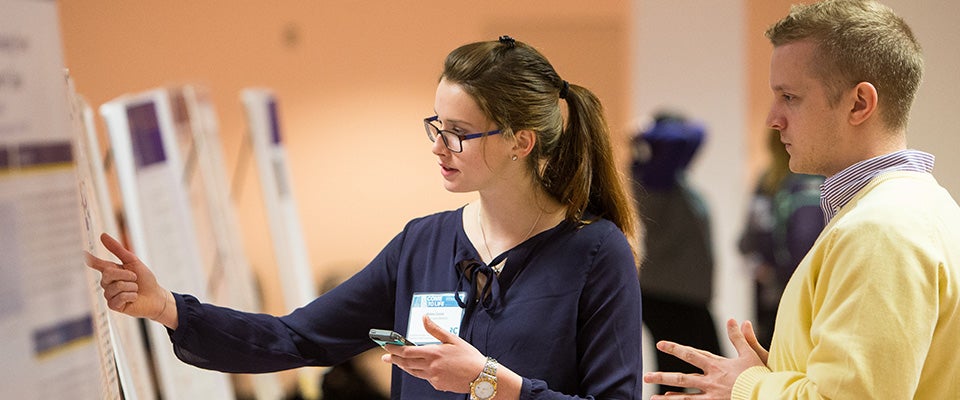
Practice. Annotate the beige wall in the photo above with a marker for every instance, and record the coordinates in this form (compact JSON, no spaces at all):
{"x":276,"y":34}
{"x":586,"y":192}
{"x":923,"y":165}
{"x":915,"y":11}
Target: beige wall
{"x":353,"y":79}
{"x":934,"y":118}
{"x":760,"y":15}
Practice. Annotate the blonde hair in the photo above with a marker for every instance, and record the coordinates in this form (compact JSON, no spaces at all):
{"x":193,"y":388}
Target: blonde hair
{"x":859,"y":41}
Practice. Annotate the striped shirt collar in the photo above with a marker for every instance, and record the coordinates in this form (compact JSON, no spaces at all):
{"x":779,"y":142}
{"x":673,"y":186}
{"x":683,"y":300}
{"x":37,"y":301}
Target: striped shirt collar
{"x":838,"y":189}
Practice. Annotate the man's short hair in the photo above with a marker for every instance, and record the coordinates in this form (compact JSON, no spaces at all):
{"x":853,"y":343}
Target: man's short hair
{"x":858,"y":41}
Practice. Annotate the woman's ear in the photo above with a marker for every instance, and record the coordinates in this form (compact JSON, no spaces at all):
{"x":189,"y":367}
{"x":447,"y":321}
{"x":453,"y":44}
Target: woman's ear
{"x":865,"y":98}
{"x":524,"y":141}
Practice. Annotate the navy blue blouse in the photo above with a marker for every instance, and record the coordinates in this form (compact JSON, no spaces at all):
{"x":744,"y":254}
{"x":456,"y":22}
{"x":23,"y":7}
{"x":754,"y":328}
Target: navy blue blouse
{"x":564,"y":313}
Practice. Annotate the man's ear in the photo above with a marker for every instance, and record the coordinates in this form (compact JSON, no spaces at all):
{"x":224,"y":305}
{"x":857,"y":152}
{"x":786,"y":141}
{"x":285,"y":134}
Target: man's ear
{"x":865,"y":102}
{"x":525,"y":139}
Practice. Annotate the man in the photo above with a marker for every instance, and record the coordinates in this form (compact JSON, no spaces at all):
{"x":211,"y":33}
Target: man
{"x":873,"y":310}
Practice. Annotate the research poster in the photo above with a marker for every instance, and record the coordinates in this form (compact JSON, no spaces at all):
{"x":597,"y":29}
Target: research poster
{"x":119,"y":337}
{"x":160,"y":224}
{"x":290,"y":250}
{"x":111,"y":356}
{"x":230,"y":278}
{"x":195,"y":184}
{"x":293,"y":262}
{"x":49,"y":344}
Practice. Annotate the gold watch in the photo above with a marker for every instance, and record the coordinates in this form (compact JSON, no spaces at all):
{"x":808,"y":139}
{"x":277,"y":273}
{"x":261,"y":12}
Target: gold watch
{"x":485,"y":386}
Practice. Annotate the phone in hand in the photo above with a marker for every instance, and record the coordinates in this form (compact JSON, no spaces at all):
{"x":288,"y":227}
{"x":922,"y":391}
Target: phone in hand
{"x":384,"y":337}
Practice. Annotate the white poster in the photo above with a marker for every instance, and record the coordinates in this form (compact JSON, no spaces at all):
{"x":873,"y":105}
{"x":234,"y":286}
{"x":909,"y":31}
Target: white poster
{"x":49,"y":348}
{"x":119,"y":337}
{"x":230,"y":278}
{"x":160,"y":224}
{"x":290,"y":250}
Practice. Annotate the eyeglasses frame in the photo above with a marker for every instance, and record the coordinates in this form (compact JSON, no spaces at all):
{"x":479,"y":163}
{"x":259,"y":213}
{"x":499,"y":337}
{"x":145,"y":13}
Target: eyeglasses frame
{"x":461,"y":137}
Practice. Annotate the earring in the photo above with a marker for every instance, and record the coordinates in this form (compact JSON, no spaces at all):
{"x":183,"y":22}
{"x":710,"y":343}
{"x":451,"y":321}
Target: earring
{"x":514,"y":158}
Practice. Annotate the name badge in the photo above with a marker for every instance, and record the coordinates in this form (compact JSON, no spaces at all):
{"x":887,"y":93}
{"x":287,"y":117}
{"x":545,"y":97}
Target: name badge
{"x":443,"y":310}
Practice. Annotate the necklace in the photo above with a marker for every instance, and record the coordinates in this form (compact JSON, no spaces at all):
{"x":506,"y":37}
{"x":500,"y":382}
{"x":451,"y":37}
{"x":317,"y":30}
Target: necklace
{"x":499,"y":267}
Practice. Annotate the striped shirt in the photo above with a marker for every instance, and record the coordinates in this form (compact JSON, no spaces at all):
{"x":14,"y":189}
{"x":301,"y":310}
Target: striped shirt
{"x":837,"y":190}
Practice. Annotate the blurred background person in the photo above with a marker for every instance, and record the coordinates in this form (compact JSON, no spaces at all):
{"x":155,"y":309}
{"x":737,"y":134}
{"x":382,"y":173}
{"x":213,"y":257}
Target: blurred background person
{"x":363,"y":377}
{"x":676,"y":276}
{"x":784,"y":220}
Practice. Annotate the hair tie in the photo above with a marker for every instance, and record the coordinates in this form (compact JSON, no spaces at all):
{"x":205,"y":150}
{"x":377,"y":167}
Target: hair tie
{"x":509,"y":41}
{"x":564,"y":89}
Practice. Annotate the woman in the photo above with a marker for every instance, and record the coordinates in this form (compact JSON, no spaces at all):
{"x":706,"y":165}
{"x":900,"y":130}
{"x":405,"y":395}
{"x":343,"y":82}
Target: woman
{"x":542,"y":265}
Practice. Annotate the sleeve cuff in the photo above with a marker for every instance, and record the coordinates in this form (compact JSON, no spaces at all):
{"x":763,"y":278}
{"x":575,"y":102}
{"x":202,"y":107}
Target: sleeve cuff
{"x":746,"y":384}
{"x":177,"y":335}
{"x":530,"y":388}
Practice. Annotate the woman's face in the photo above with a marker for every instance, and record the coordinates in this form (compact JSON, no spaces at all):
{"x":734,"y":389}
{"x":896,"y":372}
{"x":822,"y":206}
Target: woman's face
{"x":477,"y":167}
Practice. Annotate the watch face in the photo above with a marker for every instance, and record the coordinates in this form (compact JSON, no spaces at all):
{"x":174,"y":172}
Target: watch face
{"x":483,"y":389}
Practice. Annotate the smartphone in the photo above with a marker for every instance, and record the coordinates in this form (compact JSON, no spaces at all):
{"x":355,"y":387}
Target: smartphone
{"x":384,"y":337}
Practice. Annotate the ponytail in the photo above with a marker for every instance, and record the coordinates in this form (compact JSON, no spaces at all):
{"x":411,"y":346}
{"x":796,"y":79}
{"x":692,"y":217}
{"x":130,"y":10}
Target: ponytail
{"x":581,"y":171}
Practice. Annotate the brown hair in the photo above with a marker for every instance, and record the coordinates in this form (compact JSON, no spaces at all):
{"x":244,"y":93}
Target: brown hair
{"x":517,"y":88}
{"x":858,"y":41}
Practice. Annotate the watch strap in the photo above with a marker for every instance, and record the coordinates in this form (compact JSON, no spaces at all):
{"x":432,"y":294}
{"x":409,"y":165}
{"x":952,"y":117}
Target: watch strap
{"x":490,"y":367}
{"x":489,"y":376}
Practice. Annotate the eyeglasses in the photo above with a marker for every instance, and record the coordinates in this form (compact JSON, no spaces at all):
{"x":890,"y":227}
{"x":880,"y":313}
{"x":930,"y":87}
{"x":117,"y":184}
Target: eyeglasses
{"x":451,"y":139}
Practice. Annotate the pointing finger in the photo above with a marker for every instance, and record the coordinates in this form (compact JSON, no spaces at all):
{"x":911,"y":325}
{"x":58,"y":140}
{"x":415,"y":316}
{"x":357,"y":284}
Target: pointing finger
{"x":125,"y":256}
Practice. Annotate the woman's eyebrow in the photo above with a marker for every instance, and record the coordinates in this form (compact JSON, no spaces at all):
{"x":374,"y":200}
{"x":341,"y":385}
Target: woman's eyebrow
{"x":459,"y":122}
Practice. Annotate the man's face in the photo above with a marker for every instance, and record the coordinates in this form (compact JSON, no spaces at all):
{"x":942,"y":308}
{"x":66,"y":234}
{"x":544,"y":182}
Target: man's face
{"x":809,"y":126}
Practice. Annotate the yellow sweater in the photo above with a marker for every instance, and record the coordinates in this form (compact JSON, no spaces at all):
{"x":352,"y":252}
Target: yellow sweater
{"x":873,"y":310}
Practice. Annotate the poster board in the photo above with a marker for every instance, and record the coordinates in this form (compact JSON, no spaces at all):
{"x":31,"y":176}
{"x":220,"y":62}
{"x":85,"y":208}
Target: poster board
{"x":149,"y":170}
{"x":119,"y":336}
{"x":50,"y":347}
{"x":289,"y":247}
{"x":230,"y":278}
{"x":231,"y":281}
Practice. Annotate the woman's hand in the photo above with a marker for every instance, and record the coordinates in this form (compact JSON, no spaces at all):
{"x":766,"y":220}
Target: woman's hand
{"x":131,"y":288}
{"x":449,"y":366}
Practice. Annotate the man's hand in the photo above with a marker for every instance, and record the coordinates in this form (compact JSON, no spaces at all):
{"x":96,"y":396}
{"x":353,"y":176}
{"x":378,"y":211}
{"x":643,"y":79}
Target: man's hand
{"x":719,"y":373}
